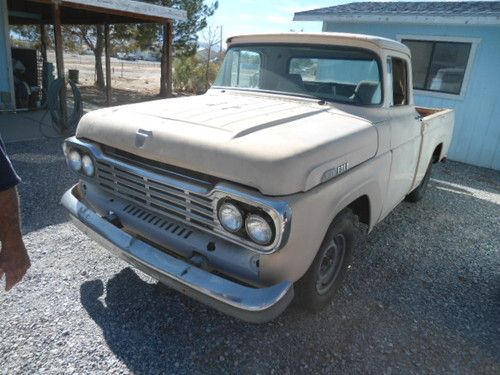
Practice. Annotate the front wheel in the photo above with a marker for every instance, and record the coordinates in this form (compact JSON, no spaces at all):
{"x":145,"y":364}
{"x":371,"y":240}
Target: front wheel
{"x":322,"y":280}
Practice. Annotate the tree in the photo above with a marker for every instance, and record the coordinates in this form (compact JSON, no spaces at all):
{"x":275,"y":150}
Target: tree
{"x":190,"y":74}
{"x":93,"y":37}
{"x":74,"y":37}
{"x":185,"y":38}
{"x":26,"y":35}
{"x":185,"y":32}
{"x":211,"y":38}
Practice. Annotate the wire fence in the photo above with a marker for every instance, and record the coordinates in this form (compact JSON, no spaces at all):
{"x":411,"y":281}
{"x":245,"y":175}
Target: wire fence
{"x":138,"y":75}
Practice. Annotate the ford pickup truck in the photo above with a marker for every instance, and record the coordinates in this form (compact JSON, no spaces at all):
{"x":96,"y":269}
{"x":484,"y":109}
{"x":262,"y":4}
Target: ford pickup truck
{"x":246,"y":197}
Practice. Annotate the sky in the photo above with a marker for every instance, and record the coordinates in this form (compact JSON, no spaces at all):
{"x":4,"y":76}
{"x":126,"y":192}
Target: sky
{"x":259,"y":16}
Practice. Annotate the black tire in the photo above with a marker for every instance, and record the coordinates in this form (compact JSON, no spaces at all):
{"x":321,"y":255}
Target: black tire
{"x":316,"y":288}
{"x":418,"y":193}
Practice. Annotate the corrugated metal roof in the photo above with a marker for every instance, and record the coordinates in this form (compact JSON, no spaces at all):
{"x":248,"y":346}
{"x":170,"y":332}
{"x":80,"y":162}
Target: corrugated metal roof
{"x":90,"y":12}
{"x":431,"y":8}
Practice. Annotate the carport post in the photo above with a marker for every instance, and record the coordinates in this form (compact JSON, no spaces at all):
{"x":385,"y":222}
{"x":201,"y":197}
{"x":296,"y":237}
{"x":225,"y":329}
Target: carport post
{"x":60,"y":58}
{"x":170,"y":54}
{"x":166,"y":60}
{"x":43,"y":50}
{"x":107,"y":53}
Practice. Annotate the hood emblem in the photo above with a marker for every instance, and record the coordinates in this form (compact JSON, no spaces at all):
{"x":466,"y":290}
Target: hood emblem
{"x":140,"y":137}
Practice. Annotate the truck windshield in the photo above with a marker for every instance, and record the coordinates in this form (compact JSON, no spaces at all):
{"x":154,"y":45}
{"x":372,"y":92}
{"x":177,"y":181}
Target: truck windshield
{"x":337,"y":74}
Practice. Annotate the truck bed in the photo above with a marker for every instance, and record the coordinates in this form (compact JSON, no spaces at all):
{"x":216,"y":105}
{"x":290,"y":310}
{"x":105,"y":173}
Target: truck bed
{"x":437,"y":130}
{"x":425,"y":112}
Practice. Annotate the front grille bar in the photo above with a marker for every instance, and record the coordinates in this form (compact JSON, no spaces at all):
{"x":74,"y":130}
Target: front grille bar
{"x":154,"y":193}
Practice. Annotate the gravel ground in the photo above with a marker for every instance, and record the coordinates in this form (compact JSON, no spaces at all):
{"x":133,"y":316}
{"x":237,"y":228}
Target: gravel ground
{"x":422,"y":296}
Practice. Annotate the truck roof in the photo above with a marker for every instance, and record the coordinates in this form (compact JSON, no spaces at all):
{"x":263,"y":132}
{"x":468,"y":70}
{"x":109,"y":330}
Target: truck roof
{"x":355,"y":40}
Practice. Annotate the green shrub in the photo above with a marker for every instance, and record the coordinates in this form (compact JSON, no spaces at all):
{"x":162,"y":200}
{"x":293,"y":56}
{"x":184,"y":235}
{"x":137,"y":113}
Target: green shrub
{"x":190,"y":74}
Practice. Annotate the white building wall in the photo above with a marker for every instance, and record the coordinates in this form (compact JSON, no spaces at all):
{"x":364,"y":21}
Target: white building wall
{"x":476,"y":137}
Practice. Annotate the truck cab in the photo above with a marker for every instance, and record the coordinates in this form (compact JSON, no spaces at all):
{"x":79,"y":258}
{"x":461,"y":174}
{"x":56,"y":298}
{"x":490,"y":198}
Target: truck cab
{"x":247,"y":195}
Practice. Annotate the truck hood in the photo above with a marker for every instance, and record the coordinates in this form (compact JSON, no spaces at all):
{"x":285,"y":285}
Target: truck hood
{"x":276,"y":144}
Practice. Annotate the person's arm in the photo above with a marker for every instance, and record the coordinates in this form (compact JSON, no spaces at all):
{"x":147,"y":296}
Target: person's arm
{"x":14,"y":259}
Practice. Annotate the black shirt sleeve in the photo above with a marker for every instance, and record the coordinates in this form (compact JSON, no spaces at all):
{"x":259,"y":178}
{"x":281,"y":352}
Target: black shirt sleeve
{"x":8,"y":176}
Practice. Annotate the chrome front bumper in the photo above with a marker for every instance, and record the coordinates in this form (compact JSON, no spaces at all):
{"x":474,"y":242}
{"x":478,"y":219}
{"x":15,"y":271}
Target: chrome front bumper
{"x":256,"y":305}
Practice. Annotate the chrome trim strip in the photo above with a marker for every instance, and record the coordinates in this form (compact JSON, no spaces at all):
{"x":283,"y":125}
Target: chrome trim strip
{"x":257,"y":305}
{"x":279,"y":211}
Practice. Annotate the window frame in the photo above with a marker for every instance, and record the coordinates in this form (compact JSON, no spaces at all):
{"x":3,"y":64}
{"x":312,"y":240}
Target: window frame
{"x":376,"y":56}
{"x":390,"y":70}
{"x":474,"y":42}
{"x":239,"y":67}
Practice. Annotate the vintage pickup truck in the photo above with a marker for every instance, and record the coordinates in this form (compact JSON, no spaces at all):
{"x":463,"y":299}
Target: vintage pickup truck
{"x":246,"y":196}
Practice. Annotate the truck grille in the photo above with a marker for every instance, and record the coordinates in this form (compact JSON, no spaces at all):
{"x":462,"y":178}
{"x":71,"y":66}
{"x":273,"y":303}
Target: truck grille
{"x":157,"y":193}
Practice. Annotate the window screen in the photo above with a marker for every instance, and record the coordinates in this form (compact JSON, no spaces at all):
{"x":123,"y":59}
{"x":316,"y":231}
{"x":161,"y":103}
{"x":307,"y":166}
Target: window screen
{"x":438,"y":66}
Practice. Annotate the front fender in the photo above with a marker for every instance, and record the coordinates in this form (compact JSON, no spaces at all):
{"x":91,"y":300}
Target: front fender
{"x":314,"y":211}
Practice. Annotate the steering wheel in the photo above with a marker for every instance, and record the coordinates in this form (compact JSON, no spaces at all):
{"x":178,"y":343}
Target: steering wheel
{"x":357,"y":97}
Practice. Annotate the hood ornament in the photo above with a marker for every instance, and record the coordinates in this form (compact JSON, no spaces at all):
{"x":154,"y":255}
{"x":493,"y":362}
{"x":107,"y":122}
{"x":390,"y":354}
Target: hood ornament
{"x":140,"y":137}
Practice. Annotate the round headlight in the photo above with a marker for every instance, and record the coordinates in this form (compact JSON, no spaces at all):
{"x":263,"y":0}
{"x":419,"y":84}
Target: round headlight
{"x":230,"y":217}
{"x":88,"y":165}
{"x":75,"y":160}
{"x":258,"y":229}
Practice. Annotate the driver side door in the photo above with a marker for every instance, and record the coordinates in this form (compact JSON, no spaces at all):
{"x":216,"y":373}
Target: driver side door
{"x":405,"y":134}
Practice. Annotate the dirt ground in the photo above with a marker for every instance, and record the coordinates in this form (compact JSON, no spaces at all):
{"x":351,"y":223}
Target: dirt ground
{"x":132,"y":81}
{"x":422,"y":295}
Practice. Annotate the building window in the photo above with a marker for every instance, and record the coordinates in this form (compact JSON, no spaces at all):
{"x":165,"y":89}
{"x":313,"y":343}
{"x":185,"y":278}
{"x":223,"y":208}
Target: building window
{"x":439,"y":66}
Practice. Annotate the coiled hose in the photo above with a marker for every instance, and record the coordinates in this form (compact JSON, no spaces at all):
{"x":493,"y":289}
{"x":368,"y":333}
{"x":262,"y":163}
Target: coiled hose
{"x":54,"y":106}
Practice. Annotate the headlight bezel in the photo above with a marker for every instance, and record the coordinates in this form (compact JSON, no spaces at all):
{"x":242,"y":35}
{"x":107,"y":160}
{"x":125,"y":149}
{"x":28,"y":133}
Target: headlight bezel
{"x":276,"y":214}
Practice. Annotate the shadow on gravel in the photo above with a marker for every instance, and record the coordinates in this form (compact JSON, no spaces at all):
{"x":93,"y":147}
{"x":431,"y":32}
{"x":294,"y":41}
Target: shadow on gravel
{"x":45,"y":177}
{"x":421,"y":296}
{"x":154,"y":329}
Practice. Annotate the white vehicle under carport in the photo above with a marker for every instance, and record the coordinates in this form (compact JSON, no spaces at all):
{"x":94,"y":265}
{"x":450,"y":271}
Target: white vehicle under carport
{"x":247,"y":195}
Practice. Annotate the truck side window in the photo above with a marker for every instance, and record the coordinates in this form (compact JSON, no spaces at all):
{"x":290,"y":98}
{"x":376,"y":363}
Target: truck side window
{"x":399,"y":81}
{"x":244,"y":69}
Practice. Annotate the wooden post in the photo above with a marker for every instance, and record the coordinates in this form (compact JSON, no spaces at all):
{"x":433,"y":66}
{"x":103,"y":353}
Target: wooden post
{"x":166,"y":61}
{"x":43,"y":51}
{"x":170,"y":54}
{"x":60,"y":58}
{"x":107,"y":53}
